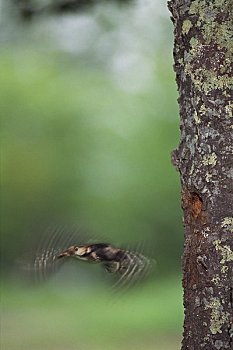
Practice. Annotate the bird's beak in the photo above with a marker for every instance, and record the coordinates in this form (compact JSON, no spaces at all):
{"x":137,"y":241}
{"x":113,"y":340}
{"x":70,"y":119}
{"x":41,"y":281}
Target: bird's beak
{"x":62,"y":255}
{"x":67,"y":252}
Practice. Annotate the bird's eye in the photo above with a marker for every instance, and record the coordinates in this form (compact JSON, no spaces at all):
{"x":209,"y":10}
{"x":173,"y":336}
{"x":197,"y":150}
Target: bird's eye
{"x":76,"y":249}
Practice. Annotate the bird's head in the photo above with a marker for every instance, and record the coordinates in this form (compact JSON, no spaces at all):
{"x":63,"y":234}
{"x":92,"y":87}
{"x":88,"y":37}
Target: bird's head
{"x":75,"y":251}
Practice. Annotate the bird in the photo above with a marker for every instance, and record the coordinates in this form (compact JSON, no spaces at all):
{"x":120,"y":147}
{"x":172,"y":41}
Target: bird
{"x":128,"y":266}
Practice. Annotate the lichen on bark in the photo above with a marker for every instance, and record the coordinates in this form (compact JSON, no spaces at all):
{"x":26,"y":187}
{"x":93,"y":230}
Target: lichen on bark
{"x":203,"y":53}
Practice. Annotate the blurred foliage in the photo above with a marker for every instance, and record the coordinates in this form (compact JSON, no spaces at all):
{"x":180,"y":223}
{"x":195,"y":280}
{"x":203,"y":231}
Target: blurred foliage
{"x":88,"y":121}
{"x":75,"y":147}
{"x":31,"y":8}
{"x":86,"y":140}
{"x":54,"y":317}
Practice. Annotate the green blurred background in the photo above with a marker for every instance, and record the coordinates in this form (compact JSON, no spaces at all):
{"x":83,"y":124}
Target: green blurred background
{"x":88,"y":120}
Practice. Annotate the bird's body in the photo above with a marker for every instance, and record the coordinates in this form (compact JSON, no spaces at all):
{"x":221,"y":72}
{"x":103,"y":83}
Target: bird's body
{"x":97,"y":252}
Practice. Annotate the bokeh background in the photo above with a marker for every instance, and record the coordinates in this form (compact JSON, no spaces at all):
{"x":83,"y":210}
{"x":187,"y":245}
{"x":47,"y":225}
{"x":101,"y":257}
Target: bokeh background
{"x":88,"y":121}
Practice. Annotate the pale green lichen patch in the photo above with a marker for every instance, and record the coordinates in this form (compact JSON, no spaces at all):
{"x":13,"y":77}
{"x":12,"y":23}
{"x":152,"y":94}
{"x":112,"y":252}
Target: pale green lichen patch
{"x":195,"y":138}
{"x":203,"y":109}
{"x":217,"y":316}
{"x":187,"y":25}
{"x":215,"y":76}
{"x":216,"y":279}
{"x":226,"y":252}
{"x":196,"y":118}
{"x":206,"y":338}
{"x":210,"y":159}
{"x":194,"y":43}
{"x":220,"y":31}
{"x":194,"y":48}
{"x":181,"y":61}
{"x":229,"y":109}
{"x":228,"y":222}
{"x":206,"y":232}
{"x":192,"y":169}
{"x":205,"y":14}
{"x":208,"y":177}
{"x":206,"y":20}
{"x":224,"y":269}
{"x":207,"y":80}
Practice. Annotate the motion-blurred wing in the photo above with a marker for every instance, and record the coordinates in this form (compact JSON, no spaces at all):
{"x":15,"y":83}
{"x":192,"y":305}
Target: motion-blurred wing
{"x":53,"y":242}
{"x":132,"y":268}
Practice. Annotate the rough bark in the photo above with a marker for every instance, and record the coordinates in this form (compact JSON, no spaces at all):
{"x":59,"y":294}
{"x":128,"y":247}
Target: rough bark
{"x":203,"y":55}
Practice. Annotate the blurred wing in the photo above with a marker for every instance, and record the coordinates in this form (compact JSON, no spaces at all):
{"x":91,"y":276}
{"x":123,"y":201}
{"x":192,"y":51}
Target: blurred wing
{"x":54,"y":241}
{"x":131,"y":269}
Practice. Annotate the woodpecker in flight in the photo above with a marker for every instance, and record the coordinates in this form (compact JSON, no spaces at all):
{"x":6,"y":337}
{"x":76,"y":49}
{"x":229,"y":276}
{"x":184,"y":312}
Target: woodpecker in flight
{"x":129,"y":266}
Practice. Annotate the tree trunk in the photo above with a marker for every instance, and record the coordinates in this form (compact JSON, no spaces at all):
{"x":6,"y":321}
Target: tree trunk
{"x":203,"y":54}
